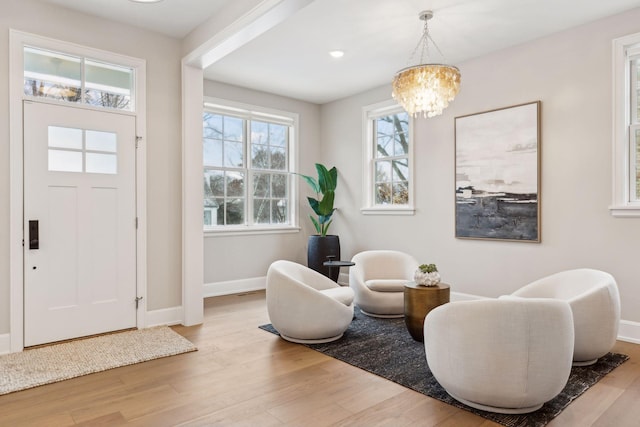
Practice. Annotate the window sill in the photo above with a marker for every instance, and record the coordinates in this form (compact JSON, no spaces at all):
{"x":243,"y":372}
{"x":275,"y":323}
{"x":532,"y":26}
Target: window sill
{"x":388,"y":210}
{"x":248,"y":231}
{"x":625,"y":211}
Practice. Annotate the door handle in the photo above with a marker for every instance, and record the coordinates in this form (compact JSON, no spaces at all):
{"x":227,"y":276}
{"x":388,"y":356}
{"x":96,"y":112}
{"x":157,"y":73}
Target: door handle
{"x":34,"y":239}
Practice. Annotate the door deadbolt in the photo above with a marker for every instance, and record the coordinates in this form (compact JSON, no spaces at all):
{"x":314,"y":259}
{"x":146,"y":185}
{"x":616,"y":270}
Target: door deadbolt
{"x":34,"y":239}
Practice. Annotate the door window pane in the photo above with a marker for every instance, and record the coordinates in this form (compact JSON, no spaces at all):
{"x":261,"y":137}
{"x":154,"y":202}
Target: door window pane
{"x":101,"y":163}
{"x":60,"y":137}
{"x":65,"y":161}
{"x":101,"y":141}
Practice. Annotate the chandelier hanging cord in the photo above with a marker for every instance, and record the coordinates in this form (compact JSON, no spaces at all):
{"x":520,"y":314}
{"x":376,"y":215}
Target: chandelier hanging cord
{"x":423,"y":43}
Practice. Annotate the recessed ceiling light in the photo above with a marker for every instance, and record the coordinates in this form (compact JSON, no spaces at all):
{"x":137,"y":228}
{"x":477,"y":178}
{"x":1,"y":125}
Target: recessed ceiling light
{"x":336,"y":53}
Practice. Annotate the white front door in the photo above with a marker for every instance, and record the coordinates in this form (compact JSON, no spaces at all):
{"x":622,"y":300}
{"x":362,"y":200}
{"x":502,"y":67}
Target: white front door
{"x":79,"y":223}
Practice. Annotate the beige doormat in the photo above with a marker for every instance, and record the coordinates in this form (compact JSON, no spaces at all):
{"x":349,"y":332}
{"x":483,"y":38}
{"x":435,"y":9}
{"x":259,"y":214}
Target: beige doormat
{"x":45,"y":365}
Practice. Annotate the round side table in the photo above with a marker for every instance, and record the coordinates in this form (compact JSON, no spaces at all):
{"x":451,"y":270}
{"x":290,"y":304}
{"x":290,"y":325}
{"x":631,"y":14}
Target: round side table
{"x":418,"y":302}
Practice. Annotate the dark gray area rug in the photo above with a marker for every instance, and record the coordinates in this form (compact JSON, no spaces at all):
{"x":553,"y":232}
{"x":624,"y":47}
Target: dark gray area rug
{"x":385,"y":348}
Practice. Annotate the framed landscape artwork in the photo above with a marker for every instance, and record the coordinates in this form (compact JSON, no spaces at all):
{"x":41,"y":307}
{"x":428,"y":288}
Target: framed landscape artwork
{"x":498,"y":174}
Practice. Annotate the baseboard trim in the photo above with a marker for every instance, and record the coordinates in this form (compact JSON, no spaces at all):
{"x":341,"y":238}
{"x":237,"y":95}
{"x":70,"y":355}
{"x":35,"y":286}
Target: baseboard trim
{"x":5,"y":343}
{"x":165,"y":317}
{"x":231,"y":287}
{"x":629,"y":331}
{"x":343,"y":279}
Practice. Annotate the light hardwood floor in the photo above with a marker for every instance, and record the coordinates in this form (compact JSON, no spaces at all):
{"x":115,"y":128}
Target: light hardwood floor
{"x":243,"y":376}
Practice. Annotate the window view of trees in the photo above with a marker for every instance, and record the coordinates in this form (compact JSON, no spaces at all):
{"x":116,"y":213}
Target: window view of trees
{"x":227,"y":200}
{"x":69,"y":93}
{"x":391,"y":135}
{"x":68,"y":78}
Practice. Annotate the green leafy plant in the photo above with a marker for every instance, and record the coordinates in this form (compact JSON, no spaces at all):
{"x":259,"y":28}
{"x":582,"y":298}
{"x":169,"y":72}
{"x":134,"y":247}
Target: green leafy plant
{"x":324,"y":187}
{"x":428,"y":268}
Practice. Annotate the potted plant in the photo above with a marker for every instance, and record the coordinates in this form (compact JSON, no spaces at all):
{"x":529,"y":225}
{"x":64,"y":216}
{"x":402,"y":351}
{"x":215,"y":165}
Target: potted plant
{"x":427,"y":275}
{"x":322,"y":247}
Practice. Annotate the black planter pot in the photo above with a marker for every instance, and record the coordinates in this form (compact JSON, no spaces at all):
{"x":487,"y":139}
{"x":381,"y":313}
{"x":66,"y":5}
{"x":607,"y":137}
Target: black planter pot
{"x":319,"y":250}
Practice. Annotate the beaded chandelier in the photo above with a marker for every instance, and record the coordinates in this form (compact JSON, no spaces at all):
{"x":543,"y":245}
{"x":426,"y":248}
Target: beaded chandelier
{"x":426,"y":88}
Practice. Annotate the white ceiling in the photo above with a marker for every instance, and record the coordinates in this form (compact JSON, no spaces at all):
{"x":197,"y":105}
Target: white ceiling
{"x":378,"y":36}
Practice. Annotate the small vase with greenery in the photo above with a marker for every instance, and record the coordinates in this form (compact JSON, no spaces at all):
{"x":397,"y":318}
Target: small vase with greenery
{"x":324,"y":187}
{"x":427,"y":275}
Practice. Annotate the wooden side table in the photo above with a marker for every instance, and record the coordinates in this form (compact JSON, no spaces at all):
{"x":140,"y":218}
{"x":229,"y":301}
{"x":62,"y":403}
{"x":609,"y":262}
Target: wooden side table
{"x":418,"y":302}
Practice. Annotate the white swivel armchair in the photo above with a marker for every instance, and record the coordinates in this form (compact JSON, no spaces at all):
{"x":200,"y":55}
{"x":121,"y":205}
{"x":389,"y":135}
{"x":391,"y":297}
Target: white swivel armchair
{"x":306,"y":307}
{"x":378,"y":278}
{"x":501,"y":355}
{"x":595,"y":303}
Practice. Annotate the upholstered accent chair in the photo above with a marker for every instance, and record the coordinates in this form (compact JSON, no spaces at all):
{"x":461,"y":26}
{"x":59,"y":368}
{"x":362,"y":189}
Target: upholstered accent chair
{"x":305,"y":306}
{"x":595,"y":303}
{"x":501,"y":355}
{"x":378,"y":278}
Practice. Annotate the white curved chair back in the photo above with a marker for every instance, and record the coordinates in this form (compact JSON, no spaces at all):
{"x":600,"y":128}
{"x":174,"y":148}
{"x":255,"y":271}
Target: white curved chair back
{"x":509,"y":355}
{"x":304,"y":305}
{"x":381,"y":265}
{"x":384,"y":264}
{"x":595,"y":302}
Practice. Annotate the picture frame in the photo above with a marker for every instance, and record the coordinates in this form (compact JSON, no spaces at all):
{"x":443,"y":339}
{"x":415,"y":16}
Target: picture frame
{"x":497,"y":181}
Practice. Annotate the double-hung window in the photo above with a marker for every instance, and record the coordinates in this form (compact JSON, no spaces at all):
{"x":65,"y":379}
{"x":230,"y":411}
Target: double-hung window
{"x":626,"y":126}
{"x":388,"y":183}
{"x":248,"y":160}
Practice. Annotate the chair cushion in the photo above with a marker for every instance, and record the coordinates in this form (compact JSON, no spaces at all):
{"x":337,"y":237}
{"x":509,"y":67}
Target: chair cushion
{"x":386,"y":285}
{"x":341,"y":294}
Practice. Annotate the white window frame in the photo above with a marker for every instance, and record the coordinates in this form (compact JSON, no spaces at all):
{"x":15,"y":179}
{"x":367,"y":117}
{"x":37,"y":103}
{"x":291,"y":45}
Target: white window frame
{"x":252,"y":112}
{"x":369,"y":114}
{"x":624,"y":48}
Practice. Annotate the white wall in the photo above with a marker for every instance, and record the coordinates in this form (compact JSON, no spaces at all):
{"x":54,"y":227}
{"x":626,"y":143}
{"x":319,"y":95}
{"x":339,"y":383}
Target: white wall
{"x":163,"y":129}
{"x":241,"y":257}
{"x":570,"y":72}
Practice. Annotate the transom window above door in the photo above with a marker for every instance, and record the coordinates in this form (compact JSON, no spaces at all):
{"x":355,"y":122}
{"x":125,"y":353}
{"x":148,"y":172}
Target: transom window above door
{"x":62,"y":77}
